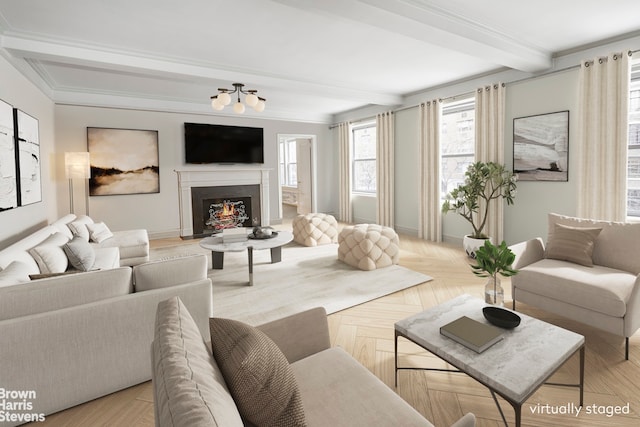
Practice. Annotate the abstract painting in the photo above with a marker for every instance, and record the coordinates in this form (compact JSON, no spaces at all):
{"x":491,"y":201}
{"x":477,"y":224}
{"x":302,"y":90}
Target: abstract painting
{"x":28,"y":158}
{"x":541,"y":147}
{"x":123,"y":161}
{"x":8,"y":174}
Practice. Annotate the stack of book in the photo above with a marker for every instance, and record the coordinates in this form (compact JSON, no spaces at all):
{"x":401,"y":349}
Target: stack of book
{"x":472,"y":334}
{"x":232,"y":235}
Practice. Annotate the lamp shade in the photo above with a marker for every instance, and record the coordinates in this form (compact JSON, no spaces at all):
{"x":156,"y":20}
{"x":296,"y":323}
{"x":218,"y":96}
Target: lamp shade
{"x":77,"y":165}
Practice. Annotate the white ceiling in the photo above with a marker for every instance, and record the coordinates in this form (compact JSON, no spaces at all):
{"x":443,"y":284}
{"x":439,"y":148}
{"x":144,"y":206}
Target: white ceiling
{"x":309,"y":58}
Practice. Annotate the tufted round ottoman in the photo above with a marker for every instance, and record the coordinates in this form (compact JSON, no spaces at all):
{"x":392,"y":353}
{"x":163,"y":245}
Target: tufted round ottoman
{"x":368,"y":246}
{"x":315,"y":229}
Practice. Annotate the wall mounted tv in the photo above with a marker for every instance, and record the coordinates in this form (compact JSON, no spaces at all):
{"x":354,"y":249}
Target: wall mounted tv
{"x":205,"y":143}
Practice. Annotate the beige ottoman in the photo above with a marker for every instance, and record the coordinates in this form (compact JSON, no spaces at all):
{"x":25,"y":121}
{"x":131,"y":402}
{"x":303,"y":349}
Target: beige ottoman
{"x":315,"y":229}
{"x":368,"y":246}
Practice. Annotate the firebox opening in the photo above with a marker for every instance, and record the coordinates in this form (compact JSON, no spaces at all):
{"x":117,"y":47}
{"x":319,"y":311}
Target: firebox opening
{"x":221,"y":213}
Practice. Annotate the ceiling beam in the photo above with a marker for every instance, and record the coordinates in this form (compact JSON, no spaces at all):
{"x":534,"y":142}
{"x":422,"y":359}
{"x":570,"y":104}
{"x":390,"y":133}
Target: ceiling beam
{"x":423,"y":21}
{"x":47,"y":50}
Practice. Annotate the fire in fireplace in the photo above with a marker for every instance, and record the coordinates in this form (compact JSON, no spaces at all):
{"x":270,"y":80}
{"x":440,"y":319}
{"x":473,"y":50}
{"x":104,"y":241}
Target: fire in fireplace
{"x":223,"y":213}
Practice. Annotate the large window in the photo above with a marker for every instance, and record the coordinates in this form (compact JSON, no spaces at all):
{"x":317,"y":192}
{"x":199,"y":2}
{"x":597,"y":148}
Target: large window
{"x":364,"y":158}
{"x":633,"y":164}
{"x":457,"y":142}
{"x":288,"y":165}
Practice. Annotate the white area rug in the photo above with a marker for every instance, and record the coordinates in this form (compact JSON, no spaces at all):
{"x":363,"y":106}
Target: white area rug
{"x":306,"y":277}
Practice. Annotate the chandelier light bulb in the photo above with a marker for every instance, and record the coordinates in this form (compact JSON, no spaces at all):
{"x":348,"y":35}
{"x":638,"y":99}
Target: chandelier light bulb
{"x":259,"y":107}
{"x":224,"y":98}
{"x":251,"y":100}
{"x":216,"y":105}
{"x":238,"y":107}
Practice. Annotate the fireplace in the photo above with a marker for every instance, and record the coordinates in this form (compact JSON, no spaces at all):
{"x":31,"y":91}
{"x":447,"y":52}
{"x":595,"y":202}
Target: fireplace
{"x":218,"y":207}
{"x":200,"y":188}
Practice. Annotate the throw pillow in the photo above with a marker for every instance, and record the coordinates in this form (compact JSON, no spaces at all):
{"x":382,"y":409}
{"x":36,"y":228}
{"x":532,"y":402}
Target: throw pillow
{"x":99,"y":232}
{"x":14,"y":273}
{"x":79,"y":229}
{"x":258,"y":375}
{"x":80,"y":253}
{"x":49,"y":254}
{"x":573,"y":244}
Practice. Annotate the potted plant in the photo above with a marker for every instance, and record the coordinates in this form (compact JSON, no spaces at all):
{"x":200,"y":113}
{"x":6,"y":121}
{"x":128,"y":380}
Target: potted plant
{"x":484,"y":182}
{"x":492,"y":260}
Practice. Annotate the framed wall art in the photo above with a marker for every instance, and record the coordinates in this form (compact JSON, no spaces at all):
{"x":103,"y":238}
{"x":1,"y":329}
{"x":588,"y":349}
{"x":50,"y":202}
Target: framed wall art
{"x":8,"y":170}
{"x":123,"y":161}
{"x":30,"y":184}
{"x":541,"y":147}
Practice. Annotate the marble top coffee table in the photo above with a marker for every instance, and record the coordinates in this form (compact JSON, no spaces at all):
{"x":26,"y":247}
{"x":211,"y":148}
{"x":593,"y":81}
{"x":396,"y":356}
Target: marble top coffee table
{"x":514,"y":368}
{"x":218,"y":248}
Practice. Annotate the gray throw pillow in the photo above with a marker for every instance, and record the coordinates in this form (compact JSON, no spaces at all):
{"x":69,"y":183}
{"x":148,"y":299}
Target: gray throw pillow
{"x":573,"y":244}
{"x":258,"y":375}
{"x":80,"y":253}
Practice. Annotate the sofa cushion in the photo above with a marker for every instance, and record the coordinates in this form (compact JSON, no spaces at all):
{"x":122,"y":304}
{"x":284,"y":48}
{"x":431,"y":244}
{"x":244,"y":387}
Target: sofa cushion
{"x":337,"y":391}
{"x":49,"y":254}
{"x":80,"y":253}
{"x":55,"y":293}
{"x":15,"y":273}
{"x":131,"y":243}
{"x":79,"y":229}
{"x":614,"y":244}
{"x":573,"y":244}
{"x":258,"y":374}
{"x":189,"y":389}
{"x":601,"y":289}
{"x":99,"y":232}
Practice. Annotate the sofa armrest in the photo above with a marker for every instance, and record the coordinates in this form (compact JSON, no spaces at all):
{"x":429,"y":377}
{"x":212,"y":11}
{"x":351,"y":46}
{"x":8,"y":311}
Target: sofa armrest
{"x":300,"y":335}
{"x":169,"y":272}
{"x":469,"y":420}
{"x":527,"y":252}
{"x":632,"y":315}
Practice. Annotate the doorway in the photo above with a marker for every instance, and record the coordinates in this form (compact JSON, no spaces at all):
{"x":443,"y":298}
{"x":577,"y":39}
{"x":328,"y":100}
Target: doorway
{"x":296,"y":174}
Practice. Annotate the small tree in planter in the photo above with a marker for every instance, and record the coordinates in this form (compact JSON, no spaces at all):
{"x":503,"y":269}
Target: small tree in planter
{"x":492,"y":260}
{"x":483,"y":182}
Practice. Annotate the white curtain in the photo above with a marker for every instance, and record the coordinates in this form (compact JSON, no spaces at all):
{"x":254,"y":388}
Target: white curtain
{"x":603,"y":137}
{"x":384,"y":168}
{"x":344,"y":173}
{"x":430,"y":222}
{"x":490,"y":146}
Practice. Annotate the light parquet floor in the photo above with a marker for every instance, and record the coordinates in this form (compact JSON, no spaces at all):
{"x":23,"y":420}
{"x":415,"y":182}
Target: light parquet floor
{"x":366,"y":332}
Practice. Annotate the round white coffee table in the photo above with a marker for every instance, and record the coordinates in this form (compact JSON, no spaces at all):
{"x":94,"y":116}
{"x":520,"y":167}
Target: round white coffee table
{"x":218,"y":248}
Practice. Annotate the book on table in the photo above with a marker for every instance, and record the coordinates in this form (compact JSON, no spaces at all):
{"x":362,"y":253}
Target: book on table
{"x":232,"y":235}
{"x":472,"y":334}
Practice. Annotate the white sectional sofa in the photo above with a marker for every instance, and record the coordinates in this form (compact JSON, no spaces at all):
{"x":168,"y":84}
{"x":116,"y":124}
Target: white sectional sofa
{"x":588,"y":271}
{"x":71,"y":338}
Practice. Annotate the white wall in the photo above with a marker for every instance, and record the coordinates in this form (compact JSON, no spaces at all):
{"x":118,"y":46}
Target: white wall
{"x":159,"y":213}
{"x":22,"y":94}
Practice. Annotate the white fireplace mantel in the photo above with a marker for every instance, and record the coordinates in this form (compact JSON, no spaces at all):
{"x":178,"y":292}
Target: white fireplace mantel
{"x":219,"y":176}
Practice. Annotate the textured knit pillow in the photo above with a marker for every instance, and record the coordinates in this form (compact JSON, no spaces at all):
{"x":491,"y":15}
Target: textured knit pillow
{"x":573,"y":244}
{"x":80,"y":253}
{"x":257,"y":373}
{"x":99,"y":232}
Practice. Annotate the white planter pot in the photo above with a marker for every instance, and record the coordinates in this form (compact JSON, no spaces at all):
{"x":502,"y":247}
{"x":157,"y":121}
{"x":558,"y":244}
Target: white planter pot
{"x":471,"y":245}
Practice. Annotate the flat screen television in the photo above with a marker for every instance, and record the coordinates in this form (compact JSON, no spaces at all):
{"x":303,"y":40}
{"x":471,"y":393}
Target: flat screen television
{"x":206,"y":143}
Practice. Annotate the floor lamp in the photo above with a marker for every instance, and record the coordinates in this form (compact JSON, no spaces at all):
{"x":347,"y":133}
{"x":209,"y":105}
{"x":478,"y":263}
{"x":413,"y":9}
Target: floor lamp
{"x":76,"y":166}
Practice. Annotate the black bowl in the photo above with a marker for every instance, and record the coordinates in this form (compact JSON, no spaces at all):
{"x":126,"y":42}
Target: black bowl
{"x":501,"y":317}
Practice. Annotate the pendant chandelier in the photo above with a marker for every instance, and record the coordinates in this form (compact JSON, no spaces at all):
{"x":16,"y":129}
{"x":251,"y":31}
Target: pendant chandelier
{"x":223,"y":98}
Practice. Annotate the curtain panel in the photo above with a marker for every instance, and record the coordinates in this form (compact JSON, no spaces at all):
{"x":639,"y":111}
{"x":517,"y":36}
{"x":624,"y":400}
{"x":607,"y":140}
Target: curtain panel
{"x":344,"y":173}
{"x":430,"y":220}
{"x":603,"y":137}
{"x":385,"y":168}
{"x":490,"y":112}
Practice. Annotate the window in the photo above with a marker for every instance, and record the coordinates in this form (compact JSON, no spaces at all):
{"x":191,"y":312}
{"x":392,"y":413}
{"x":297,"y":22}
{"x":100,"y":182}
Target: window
{"x":633,"y":162}
{"x":364,"y":158}
{"x":288,"y":165}
{"x":457,"y":142}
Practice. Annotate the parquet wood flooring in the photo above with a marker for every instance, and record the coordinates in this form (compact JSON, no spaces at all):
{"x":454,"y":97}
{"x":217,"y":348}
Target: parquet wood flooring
{"x":366,"y":332}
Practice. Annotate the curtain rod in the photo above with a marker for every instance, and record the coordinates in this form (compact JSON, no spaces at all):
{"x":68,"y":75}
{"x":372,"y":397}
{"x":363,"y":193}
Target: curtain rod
{"x":467,"y":94}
